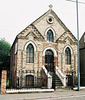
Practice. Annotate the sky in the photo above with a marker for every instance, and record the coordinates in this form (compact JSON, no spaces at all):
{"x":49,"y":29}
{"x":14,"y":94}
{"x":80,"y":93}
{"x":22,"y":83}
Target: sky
{"x":16,"y":15}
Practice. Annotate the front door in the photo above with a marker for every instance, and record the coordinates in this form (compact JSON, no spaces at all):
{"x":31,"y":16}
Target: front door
{"x":49,"y":61}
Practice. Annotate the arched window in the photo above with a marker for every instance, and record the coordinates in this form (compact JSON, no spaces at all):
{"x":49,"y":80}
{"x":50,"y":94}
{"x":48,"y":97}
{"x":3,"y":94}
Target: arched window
{"x":50,"y":35}
{"x":68,"y":56}
{"x":30,"y":54}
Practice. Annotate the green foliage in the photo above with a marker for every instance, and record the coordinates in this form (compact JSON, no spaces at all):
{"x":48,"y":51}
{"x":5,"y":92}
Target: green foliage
{"x":7,"y":84}
{"x":4,"y":55}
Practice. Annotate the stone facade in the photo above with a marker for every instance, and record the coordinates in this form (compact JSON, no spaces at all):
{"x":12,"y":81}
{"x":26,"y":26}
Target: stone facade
{"x":36,"y":34}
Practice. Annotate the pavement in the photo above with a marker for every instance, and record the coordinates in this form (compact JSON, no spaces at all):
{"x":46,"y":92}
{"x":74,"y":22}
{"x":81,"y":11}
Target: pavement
{"x":58,"y":94}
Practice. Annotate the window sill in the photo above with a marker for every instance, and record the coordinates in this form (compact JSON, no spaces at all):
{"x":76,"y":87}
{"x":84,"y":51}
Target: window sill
{"x":29,"y":63}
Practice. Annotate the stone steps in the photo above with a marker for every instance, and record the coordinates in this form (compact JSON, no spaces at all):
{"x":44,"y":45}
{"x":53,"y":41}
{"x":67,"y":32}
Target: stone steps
{"x":56,"y":81}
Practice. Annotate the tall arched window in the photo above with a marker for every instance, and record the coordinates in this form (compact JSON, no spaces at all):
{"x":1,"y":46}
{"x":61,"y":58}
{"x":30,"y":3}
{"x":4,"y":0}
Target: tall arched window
{"x":50,"y":35}
{"x":30,"y":54}
{"x":68,"y":56}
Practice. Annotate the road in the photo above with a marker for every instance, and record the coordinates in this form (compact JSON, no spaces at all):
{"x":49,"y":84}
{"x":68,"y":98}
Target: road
{"x":57,"y":95}
{"x":80,"y":97}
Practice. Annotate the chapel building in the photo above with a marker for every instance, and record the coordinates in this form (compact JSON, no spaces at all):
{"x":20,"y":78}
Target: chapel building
{"x":44,"y":54}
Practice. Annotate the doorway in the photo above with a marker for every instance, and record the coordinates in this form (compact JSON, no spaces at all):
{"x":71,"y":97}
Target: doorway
{"x":49,"y":60}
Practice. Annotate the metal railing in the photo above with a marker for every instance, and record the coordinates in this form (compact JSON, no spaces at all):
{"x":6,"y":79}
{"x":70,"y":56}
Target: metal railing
{"x":26,"y":79}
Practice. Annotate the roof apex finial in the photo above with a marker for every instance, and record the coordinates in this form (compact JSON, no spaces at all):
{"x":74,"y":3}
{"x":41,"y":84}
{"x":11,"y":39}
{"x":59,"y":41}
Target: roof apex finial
{"x":50,"y":6}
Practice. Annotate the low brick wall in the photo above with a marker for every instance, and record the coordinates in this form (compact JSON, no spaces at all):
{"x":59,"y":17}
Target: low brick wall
{"x":3,"y":82}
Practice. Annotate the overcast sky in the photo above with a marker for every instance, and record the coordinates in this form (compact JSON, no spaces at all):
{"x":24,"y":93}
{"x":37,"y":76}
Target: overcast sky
{"x":15,"y":15}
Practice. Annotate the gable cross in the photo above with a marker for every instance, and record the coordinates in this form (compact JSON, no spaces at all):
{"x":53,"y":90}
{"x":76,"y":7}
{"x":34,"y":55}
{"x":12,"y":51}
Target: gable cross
{"x":50,"y":6}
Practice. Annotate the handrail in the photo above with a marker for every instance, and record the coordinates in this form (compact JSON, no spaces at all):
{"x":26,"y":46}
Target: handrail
{"x":61,"y":76}
{"x":49,"y":77}
{"x":46,"y":72}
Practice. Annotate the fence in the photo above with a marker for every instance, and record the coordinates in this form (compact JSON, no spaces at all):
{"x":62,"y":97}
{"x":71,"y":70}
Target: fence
{"x":27,"y":79}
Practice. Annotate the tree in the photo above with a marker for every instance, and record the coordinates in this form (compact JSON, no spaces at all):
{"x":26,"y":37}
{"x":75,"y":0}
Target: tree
{"x":4,"y":55}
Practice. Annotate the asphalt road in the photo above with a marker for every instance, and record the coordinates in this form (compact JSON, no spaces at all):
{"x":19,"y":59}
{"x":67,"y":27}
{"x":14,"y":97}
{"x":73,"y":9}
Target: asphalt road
{"x":57,"y":95}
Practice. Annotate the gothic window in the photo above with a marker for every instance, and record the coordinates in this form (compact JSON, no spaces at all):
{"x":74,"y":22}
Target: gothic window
{"x":30,"y":54}
{"x":68,"y":56}
{"x":50,"y":36}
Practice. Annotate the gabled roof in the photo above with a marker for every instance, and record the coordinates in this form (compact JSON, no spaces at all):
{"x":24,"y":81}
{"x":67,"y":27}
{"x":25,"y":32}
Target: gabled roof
{"x":45,"y":14}
{"x":32,"y":29}
{"x":40,"y":18}
{"x":56,"y":17}
{"x":66,"y":33}
{"x":82,"y":36}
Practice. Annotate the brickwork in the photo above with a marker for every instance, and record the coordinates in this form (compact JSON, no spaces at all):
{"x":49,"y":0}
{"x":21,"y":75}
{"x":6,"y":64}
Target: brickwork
{"x":21,"y":69}
{"x":54,"y":45}
{"x":13,"y":65}
{"x":56,"y":61}
{"x":44,"y":78}
{"x":43,"y":60}
{"x":3,"y":81}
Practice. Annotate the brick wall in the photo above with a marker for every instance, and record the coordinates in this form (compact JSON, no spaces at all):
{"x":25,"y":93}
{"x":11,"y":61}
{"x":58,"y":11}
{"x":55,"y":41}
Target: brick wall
{"x":54,"y":45}
{"x":13,"y":65}
{"x":3,"y":82}
{"x":44,"y":81}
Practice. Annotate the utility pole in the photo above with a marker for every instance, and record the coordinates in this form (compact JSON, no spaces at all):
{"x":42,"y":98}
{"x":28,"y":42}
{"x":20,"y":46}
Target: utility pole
{"x":78,"y":40}
{"x":78,"y":45}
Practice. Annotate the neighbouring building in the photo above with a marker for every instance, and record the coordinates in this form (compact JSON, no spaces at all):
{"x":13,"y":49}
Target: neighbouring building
{"x":82,"y":60}
{"x":44,"y":54}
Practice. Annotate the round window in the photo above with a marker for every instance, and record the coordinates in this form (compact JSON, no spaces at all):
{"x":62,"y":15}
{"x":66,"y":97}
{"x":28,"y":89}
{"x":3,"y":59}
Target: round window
{"x":50,"y":19}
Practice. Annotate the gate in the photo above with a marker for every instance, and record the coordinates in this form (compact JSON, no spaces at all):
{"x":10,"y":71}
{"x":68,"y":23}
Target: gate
{"x":70,"y":80}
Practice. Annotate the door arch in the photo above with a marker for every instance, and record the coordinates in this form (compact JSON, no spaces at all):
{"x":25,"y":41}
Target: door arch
{"x":49,"y":60}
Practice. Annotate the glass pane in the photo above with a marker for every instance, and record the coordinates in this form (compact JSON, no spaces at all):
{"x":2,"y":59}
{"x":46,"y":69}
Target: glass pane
{"x":68,"y":55}
{"x":31,"y":50}
{"x":50,"y":53}
{"x":30,"y":46}
{"x":50,"y":35}
{"x":30,"y":54}
{"x":27,"y":59}
{"x":31,"y":59}
{"x":27,"y":55}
